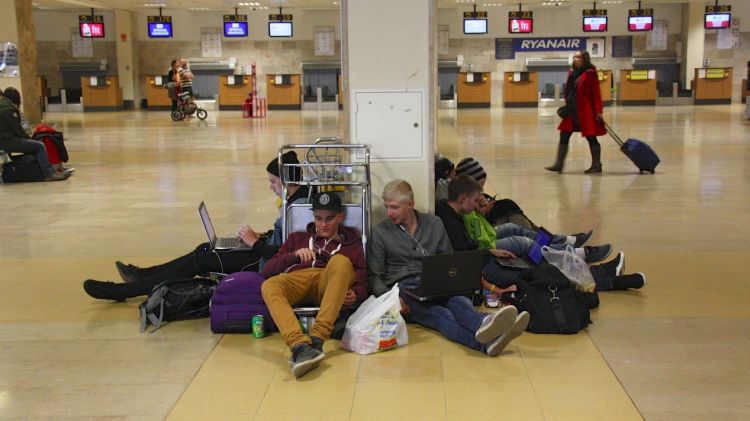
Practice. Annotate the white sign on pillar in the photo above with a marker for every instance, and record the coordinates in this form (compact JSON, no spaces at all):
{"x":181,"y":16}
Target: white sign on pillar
{"x":391,"y":122}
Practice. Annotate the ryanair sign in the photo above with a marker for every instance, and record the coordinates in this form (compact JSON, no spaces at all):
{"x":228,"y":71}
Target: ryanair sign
{"x":522,"y":45}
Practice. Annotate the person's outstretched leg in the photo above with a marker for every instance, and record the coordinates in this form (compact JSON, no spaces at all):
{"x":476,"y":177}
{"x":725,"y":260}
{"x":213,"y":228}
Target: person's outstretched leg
{"x":596,"y":156}
{"x":562,"y":152}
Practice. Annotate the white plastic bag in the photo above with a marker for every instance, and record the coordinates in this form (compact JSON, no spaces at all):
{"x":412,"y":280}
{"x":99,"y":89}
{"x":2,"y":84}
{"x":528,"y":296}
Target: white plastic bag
{"x":572,"y":266}
{"x":376,"y":326}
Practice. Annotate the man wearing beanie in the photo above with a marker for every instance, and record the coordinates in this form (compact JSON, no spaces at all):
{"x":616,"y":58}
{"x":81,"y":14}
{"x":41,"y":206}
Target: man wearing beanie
{"x":257,"y":248}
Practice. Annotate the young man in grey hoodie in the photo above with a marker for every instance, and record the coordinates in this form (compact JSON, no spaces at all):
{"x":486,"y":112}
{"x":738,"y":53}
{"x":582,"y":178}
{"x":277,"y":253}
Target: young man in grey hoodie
{"x":397,"y":247}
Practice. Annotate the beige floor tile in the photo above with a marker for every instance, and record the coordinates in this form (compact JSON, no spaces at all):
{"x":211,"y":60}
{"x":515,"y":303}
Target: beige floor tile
{"x":229,"y":397}
{"x":503,"y":411}
{"x":400,"y":369}
{"x":482,"y":368}
{"x":332,"y":415}
{"x":477,"y":396}
{"x":585,"y":414}
{"x":310,"y":393}
{"x":399,"y":401}
{"x":533,"y":345}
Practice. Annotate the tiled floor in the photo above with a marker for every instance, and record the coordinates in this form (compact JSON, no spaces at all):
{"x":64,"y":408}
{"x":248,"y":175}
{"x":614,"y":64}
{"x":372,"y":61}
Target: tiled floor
{"x":677,"y":349}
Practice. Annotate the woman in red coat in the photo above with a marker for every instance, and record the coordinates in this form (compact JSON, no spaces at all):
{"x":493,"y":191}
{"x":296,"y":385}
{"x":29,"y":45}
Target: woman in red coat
{"x":582,"y":112}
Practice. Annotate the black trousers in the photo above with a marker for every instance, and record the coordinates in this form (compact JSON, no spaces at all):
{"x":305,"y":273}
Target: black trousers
{"x":200,"y":261}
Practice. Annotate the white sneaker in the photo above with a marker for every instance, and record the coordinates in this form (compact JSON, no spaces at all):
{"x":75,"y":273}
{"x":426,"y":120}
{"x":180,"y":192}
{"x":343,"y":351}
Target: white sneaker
{"x":519,"y":326}
{"x":495,"y":324}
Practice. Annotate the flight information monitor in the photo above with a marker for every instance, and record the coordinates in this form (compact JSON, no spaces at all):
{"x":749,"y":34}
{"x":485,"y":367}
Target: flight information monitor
{"x":235,"y":29}
{"x":717,"y":20}
{"x":159,"y":30}
{"x":475,"y":26}
{"x":594,"y":24}
{"x":520,"y":26}
{"x":280,"y":29}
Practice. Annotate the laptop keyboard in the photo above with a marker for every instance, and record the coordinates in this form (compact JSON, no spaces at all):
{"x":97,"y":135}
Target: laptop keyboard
{"x":227,"y":243}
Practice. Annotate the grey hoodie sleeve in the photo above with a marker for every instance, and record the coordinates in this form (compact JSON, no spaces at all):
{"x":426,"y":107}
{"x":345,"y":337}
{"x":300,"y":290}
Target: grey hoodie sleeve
{"x":376,"y":256}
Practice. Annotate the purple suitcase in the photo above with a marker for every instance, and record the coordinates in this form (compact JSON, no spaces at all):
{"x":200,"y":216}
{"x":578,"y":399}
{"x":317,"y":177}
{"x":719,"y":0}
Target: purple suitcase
{"x":236,"y":300}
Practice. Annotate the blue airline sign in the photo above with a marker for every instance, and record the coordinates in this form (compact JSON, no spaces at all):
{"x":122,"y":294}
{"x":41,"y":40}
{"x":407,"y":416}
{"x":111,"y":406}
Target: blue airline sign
{"x":522,"y":45}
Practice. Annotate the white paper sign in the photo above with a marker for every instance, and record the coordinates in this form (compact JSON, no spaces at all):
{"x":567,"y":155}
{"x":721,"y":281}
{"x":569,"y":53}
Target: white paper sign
{"x":470,"y":77}
{"x":211,"y":43}
{"x":701,"y":73}
{"x":230,"y":80}
{"x":727,"y":39}
{"x":279,"y":80}
{"x":325,"y":40}
{"x":516,"y":76}
{"x":652,"y":74}
{"x":656,"y":39}
{"x":157,"y":80}
{"x":92,"y":81}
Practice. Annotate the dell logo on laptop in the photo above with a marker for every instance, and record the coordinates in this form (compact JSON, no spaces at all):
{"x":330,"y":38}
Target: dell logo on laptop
{"x":452,"y":272}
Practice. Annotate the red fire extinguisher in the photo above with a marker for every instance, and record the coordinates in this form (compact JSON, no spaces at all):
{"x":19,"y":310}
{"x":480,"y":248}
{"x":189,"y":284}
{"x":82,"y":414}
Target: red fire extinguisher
{"x":247,"y":107}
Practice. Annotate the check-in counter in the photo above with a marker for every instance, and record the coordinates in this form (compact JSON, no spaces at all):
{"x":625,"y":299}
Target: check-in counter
{"x":283,"y":92}
{"x":474,"y":90}
{"x":101,"y":93}
{"x":157,"y":97}
{"x":637,"y":87}
{"x":233,"y":91}
{"x":605,"y":86}
{"x":712,"y":86}
{"x":520,"y":90}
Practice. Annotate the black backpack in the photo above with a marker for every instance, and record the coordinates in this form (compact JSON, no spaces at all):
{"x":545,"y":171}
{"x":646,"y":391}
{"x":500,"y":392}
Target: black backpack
{"x":22,"y":168}
{"x":179,"y":299}
{"x":553,"y":302}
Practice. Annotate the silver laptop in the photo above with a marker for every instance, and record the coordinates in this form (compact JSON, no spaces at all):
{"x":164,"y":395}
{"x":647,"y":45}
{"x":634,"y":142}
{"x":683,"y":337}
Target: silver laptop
{"x":223,"y":243}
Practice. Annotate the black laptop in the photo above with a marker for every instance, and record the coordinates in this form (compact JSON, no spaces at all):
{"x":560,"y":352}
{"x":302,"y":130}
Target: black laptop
{"x":533,"y":256}
{"x":449,"y":274}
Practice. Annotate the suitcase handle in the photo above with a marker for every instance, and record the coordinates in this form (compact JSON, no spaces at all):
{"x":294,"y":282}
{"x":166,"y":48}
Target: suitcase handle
{"x":614,"y":135}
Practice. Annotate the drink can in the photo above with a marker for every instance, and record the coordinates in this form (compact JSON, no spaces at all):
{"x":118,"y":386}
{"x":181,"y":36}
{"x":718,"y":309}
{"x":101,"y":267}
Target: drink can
{"x":257,"y":327}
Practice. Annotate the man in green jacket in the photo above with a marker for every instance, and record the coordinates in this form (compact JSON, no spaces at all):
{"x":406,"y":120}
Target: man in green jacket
{"x":13,"y":138}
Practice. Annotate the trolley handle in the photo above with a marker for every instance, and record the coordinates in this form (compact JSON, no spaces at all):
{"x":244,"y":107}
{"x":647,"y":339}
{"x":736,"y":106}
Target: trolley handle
{"x":614,"y":135}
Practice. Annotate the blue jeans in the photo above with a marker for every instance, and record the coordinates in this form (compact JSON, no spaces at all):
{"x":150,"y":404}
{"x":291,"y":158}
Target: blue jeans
{"x":29,"y":146}
{"x":517,"y":239}
{"x":454,"y":317}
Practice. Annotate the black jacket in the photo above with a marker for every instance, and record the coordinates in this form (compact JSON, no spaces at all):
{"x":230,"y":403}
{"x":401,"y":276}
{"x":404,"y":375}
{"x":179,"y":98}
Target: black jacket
{"x":10,"y":121}
{"x":454,"y":225}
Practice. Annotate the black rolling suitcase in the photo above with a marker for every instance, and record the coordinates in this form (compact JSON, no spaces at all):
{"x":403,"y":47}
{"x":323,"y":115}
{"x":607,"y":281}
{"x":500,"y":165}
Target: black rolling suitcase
{"x":639,"y":152}
{"x":22,"y":168}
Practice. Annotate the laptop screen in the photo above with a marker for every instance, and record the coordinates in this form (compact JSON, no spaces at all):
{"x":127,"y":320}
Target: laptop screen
{"x":207,"y":224}
{"x":543,"y":238}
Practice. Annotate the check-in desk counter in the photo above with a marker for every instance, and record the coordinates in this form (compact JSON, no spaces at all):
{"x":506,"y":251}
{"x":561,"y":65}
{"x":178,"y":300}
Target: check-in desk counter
{"x":101,"y":93}
{"x":520,"y":90}
{"x":712,"y":86}
{"x":283,"y":92}
{"x":474,"y":90}
{"x":233,"y":91}
{"x":637,"y":87}
{"x":605,"y":86}
{"x":157,"y":96}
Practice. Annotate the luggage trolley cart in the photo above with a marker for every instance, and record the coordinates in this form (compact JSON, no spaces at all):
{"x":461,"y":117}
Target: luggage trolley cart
{"x":330,"y":166}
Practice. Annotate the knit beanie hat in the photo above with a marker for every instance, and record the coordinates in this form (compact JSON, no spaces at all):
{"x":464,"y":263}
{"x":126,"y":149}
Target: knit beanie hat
{"x":472,"y":168}
{"x":443,"y":167}
{"x":290,"y":157}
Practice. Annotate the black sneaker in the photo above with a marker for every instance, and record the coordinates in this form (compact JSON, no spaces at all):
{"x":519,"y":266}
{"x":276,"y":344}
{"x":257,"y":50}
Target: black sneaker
{"x":128,"y":273}
{"x":305,"y":358}
{"x":597,"y":253}
{"x":634,"y":281}
{"x":581,"y":238}
{"x":103,"y":290}
{"x":613,"y":267}
{"x":317,"y":343}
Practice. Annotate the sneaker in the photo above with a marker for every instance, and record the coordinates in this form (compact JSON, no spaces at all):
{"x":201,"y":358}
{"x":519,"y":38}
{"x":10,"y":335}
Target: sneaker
{"x":495,"y":324}
{"x":305,"y":358}
{"x":614,"y":267}
{"x":317,"y":343}
{"x":634,"y":281}
{"x":581,"y":238}
{"x":57,"y":176}
{"x":519,"y":326}
{"x":597,"y":253}
{"x":128,"y":273}
{"x":103,"y":290}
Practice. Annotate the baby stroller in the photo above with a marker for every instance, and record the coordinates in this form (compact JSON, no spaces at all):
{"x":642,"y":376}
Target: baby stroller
{"x":185,"y":106}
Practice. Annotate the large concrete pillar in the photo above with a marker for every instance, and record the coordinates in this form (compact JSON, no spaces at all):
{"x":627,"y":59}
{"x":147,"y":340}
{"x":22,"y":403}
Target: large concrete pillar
{"x":390,"y":77}
{"x":695,"y":39}
{"x":17,"y":26}
{"x":126,"y":69}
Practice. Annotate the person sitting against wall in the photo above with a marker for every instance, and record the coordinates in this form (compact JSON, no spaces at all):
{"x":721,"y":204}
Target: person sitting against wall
{"x":325,"y":266}
{"x":13,"y":137}
{"x":257,"y":248}
{"x":464,"y":195}
{"x":397,"y":247}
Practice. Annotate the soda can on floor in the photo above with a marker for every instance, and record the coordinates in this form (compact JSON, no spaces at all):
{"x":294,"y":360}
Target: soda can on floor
{"x":258,"y":331}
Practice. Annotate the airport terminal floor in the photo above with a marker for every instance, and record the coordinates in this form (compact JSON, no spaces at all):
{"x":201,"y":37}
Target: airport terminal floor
{"x":679,"y":349}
